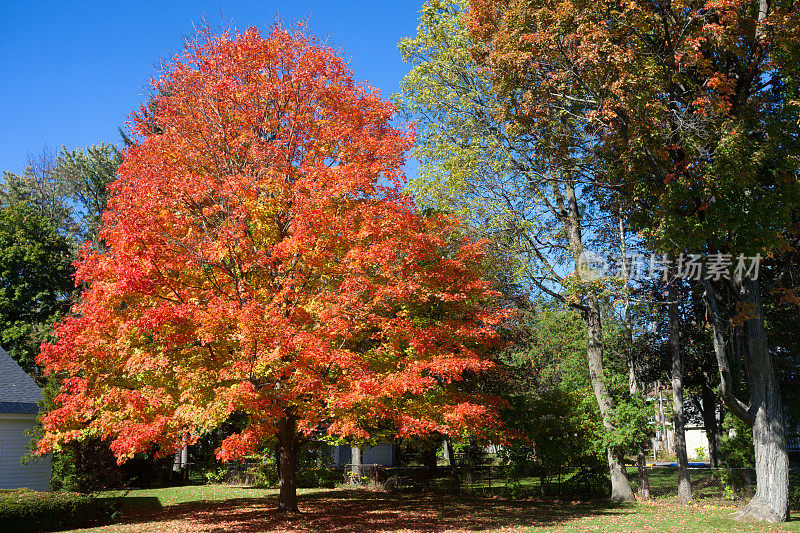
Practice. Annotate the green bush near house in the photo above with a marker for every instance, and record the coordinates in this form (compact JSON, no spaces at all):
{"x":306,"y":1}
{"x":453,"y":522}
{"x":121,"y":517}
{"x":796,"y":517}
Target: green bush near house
{"x":319,"y":477}
{"x":309,"y":476}
{"x":313,"y":468}
{"x":23,"y":510}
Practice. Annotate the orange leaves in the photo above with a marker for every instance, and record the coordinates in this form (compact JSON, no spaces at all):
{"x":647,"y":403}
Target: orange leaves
{"x":623,"y":81}
{"x":257,"y":262}
{"x":787,"y":295}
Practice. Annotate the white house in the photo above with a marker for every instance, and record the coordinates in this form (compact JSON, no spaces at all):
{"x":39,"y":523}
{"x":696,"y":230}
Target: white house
{"x":19,"y":395}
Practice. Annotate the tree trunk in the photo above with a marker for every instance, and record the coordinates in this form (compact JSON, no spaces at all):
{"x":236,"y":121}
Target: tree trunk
{"x":355,"y":463}
{"x":287,"y":465}
{"x":429,"y":455}
{"x":180,"y":464}
{"x":620,"y":486}
{"x":771,"y":502}
{"x":176,"y":465}
{"x":709,"y":410}
{"x":451,"y":456}
{"x":633,"y":386}
{"x":678,"y":417}
{"x":568,"y":213}
{"x":764,"y":411}
{"x":451,"y":460}
{"x":185,"y":463}
{"x":644,"y":476}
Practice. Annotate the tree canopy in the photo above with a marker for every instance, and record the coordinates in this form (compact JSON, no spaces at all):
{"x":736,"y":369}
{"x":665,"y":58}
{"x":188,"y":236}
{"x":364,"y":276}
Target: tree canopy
{"x":260,"y":258}
{"x":35,"y":281}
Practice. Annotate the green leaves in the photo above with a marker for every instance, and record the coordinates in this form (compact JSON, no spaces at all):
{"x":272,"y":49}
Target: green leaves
{"x":35,"y":281}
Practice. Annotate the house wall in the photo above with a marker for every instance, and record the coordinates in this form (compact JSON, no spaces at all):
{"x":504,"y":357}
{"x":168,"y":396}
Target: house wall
{"x":381,"y":454}
{"x":13,"y":446}
{"x":696,"y":438}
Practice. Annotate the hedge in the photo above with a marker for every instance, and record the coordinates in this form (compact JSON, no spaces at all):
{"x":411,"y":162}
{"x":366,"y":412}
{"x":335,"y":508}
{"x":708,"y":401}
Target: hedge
{"x":23,"y":510}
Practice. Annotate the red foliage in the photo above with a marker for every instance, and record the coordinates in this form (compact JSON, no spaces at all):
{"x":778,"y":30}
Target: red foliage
{"x":260,"y":257}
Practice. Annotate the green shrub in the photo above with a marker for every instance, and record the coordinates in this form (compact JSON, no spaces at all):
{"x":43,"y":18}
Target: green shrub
{"x":736,"y":447}
{"x":588,"y":484}
{"x":319,"y":478}
{"x":214,"y":475}
{"x":25,"y":510}
{"x":794,"y":498}
{"x":700,"y":453}
{"x":266,"y":473}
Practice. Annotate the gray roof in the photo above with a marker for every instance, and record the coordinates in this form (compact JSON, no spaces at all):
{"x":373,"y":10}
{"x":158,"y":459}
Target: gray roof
{"x":18,"y":392}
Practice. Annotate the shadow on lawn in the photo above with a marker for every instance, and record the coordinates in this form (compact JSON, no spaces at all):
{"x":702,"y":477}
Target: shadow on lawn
{"x":344,"y":511}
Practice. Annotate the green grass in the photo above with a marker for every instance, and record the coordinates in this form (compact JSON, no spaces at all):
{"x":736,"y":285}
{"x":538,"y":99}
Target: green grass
{"x":167,"y":496}
{"x":664,"y":516}
{"x":218,"y":508}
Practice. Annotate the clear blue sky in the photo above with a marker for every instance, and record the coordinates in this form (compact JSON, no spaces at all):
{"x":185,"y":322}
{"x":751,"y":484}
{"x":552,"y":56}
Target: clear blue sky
{"x":73,"y":71}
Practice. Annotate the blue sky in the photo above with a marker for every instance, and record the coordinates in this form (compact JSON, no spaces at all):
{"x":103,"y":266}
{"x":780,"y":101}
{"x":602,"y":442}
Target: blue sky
{"x":73,"y":71}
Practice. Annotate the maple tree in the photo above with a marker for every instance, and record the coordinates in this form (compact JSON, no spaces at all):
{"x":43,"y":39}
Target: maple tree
{"x":260,"y":258}
{"x":689,"y":110}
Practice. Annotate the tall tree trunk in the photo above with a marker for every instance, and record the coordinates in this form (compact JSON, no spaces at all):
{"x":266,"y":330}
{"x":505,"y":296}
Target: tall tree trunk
{"x":643,"y":492}
{"x":180,"y":464}
{"x":641,"y":464}
{"x":355,"y":463}
{"x":620,"y":486}
{"x":176,"y":465}
{"x":288,"y":441}
{"x":569,"y":215}
{"x":709,"y":410}
{"x":771,"y":502}
{"x":678,"y":417}
{"x":764,"y":411}
{"x":633,"y":375}
{"x":451,"y":456}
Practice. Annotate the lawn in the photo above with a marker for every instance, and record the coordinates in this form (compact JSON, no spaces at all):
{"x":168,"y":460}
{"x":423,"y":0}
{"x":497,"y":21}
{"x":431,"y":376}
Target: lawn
{"x":217,"y":508}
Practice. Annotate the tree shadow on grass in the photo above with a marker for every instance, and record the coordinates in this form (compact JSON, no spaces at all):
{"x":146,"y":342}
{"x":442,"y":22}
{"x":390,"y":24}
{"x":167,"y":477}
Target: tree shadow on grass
{"x":345,"y":511}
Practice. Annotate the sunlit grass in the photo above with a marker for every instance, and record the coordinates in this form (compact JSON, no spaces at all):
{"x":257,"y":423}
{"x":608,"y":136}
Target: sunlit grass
{"x":166,"y":496}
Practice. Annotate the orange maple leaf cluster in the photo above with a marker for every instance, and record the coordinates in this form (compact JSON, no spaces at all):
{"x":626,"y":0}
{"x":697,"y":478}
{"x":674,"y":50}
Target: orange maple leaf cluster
{"x":260,"y":258}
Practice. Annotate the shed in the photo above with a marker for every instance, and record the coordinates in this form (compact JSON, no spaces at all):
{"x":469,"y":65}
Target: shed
{"x":19,"y":397}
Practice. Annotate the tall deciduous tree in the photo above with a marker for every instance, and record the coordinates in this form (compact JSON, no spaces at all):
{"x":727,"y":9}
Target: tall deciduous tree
{"x":479,"y":162}
{"x":694,"y":107}
{"x":261,"y":259}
